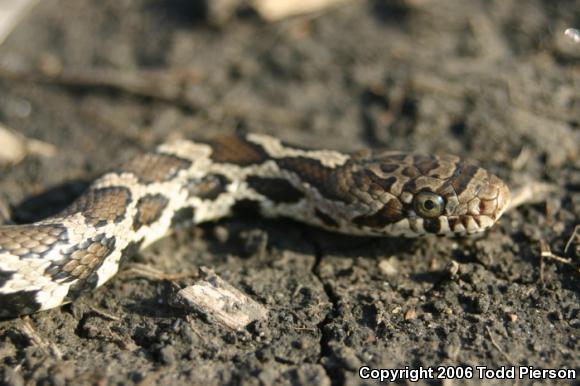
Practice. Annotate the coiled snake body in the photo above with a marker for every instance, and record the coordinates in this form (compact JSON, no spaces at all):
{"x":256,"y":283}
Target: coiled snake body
{"x":48,"y":263}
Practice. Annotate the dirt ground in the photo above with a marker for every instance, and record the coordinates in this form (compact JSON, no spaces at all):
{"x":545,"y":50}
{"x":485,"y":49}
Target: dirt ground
{"x":495,"y":81}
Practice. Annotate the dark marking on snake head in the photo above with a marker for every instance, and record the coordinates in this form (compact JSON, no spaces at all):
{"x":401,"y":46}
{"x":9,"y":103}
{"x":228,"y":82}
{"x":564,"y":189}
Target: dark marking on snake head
{"x":149,"y":209}
{"x":389,"y":168}
{"x":326,"y":219}
{"x":183,"y":216}
{"x":209,"y":187}
{"x":427,"y":167}
{"x":277,"y":190}
{"x":101,"y":206}
{"x":368,"y":182}
{"x":462,"y":176}
{"x":246,"y":207}
{"x":82,"y":260}
{"x":431,"y":225}
{"x":237,"y":150}
{"x":410,"y":171}
{"x":18,"y":303}
{"x":155,"y":167}
{"x":390,"y":213}
{"x":31,"y":241}
{"x":424,"y":164}
{"x":453,"y":222}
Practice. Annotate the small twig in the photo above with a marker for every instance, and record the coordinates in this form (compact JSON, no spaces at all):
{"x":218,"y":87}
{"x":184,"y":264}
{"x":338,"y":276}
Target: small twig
{"x":47,"y":347}
{"x":192,"y":326}
{"x":544,"y":248}
{"x":164,"y":86}
{"x":498,"y":348}
{"x":575,"y":235}
{"x":105,"y":314}
{"x":546,"y":252}
{"x":147,"y":272}
{"x":304,"y":328}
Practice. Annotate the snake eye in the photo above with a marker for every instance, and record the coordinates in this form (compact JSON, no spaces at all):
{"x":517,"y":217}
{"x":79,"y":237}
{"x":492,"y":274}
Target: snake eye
{"x":428,"y":204}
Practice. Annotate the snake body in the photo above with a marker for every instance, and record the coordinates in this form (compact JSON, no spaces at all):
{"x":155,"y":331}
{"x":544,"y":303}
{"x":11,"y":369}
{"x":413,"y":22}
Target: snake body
{"x":381,"y":193}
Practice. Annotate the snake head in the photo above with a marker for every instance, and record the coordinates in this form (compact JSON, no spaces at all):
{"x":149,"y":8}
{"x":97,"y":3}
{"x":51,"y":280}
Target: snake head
{"x":470,"y":201}
{"x":442,"y":195}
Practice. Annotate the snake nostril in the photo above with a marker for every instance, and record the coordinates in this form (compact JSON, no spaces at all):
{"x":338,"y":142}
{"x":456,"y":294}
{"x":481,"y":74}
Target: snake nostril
{"x":482,"y":206}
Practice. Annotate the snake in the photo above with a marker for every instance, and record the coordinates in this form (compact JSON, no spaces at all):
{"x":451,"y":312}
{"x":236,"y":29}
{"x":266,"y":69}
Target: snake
{"x":367,"y":193}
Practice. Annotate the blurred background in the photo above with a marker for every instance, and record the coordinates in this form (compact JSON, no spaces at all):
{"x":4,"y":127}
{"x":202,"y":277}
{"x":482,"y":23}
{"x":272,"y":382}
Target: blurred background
{"x":86,"y":84}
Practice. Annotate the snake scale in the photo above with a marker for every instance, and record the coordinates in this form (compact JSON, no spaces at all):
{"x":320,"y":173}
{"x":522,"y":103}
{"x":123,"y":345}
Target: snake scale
{"x":382,"y":193}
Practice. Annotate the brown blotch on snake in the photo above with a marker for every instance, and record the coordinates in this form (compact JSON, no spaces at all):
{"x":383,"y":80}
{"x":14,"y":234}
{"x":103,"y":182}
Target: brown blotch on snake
{"x":82,"y":260}
{"x":246,"y":207}
{"x":149,"y":209}
{"x":332,"y":183}
{"x":209,"y":187}
{"x":237,"y":150}
{"x":277,"y":190}
{"x":155,"y":167}
{"x":101,"y":206}
{"x":182,"y":216}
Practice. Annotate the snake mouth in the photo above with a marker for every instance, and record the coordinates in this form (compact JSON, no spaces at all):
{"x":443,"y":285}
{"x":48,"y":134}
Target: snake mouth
{"x":489,"y":199}
{"x":478,"y":214}
{"x":467,"y":225}
{"x":492,"y":201}
{"x":483,"y":211}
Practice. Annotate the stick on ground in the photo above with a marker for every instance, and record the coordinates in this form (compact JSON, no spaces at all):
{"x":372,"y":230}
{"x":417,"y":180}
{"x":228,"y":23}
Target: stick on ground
{"x":221,"y":302}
